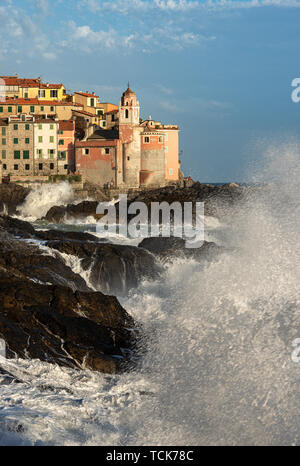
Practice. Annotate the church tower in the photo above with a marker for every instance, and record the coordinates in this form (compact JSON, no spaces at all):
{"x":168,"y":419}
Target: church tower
{"x":129,"y":135}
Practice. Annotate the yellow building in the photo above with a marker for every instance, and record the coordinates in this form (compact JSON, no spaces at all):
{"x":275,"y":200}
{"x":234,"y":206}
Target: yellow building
{"x":16,"y":87}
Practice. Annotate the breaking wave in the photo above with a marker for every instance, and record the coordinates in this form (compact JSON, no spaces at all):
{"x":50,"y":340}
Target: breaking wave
{"x":44,"y":196}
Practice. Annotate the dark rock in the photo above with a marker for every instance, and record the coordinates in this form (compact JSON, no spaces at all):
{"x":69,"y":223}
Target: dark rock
{"x":12,"y":195}
{"x":84,"y":209}
{"x":50,"y":235}
{"x":57,"y":325}
{"x":174,"y":247}
{"x":16,"y":227}
{"x":29,"y":261}
{"x":113,"y":268}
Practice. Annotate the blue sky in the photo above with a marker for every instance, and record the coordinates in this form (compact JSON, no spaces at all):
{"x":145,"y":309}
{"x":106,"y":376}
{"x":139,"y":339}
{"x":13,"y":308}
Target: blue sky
{"x":221,"y":70}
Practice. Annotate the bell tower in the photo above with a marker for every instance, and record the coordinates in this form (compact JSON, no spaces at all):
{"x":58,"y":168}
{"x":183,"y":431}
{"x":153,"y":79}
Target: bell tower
{"x":129,"y":108}
{"x":130,"y":140}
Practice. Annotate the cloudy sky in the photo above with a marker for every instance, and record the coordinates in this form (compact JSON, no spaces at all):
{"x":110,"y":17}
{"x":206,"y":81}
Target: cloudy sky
{"x":220,"y":69}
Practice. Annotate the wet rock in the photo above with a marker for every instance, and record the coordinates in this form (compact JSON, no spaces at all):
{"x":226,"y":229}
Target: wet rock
{"x":174,"y":247}
{"x":60,"y":326}
{"x":50,"y":235}
{"x":113,"y":268}
{"x":16,"y":227}
{"x":84,"y":209}
{"x":12,"y":195}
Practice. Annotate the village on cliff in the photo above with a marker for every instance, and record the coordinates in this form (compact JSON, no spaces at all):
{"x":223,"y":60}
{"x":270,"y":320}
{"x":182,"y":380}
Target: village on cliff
{"x":48,"y":134}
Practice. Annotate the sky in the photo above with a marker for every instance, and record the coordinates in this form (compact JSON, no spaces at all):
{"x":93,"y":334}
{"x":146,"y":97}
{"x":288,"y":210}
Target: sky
{"x":220,"y":69}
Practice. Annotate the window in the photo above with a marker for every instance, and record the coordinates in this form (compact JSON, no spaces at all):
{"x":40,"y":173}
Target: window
{"x":16,"y":141}
{"x":161,"y":139}
{"x":92,"y":102}
{"x":40,"y":153}
{"x":51,"y":166}
{"x":15,"y":127}
{"x":27,"y":140}
{"x":19,"y":108}
{"x":65,"y":167}
{"x":104,"y":124}
{"x":25,"y":154}
{"x":51,"y":126}
{"x":53,"y":93}
{"x":4,"y":166}
{"x":16,"y":167}
{"x":1,"y":109}
{"x":146,"y":139}
{"x":171,"y":171}
{"x":17,"y":154}
{"x":3,"y":131}
{"x":166,"y":149}
{"x":113,"y":117}
{"x":40,"y":166}
{"x":51,"y":109}
{"x":27,"y":167}
{"x":41,"y":93}
{"x":9,"y":109}
{"x":107,"y":151}
{"x":42,"y":108}
{"x":166,"y":137}
{"x":61,"y":142}
{"x":51,"y":139}
{"x":4,"y":154}
{"x":62,"y":155}
{"x":32,"y":108}
{"x":126,"y":113}
{"x":40,"y":126}
{"x":40,"y":138}
{"x":3,"y":142}
{"x":51,"y":152}
{"x":27,"y":126}
{"x":86,"y":151}
{"x":60,"y":131}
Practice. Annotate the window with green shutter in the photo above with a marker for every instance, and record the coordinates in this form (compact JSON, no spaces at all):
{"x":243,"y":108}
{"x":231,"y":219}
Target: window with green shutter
{"x":1,"y":109}
{"x":51,"y":109}
{"x":40,"y":138}
{"x":3,"y":142}
{"x":40,"y":126}
{"x":51,"y":138}
{"x":32,"y":108}
{"x":15,"y":127}
{"x":51,"y":126}
{"x":42,"y":108}
{"x":16,"y":141}
{"x":17,"y":154}
{"x":9,"y":109}
{"x":3,"y":131}
{"x":4,"y":154}
{"x":25,"y":154}
{"x":61,"y":142}
{"x":19,"y":108}
{"x":27,"y":127}
{"x":27,"y":140}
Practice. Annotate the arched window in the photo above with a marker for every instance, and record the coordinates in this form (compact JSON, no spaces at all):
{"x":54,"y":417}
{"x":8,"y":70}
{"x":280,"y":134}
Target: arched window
{"x":126,"y":113}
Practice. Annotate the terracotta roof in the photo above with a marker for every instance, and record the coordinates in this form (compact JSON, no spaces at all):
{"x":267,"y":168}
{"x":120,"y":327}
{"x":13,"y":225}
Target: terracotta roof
{"x":112,"y":111}
{"x":50,"y":86}
{"x":128,"y":92}
{"x":66,"y":125}
{"x":51,"y":103}
{"x":85,"y":113}
{"x":14,"y":81}
{"x":105,"y":134}
{"x":87,"y":94}
{"x":96,"y":143}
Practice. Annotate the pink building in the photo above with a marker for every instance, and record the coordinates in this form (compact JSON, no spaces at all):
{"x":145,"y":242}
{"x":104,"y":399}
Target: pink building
{"x":66,"y":135}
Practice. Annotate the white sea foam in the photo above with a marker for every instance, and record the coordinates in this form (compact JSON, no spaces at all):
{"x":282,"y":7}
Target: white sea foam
{"x":218,"y":366}
{"x":44,"y":196}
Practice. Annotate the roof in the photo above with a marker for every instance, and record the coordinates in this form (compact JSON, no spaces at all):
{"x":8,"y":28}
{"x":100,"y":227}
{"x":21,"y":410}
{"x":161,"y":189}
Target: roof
{"x":128,"y":92}
{"x":87,"y":94}
{"x":104,"y":134}
{"x":96,"y":143}
{"x":86,"y":113}
{"x":66,"y":125}
{"x":51,"y":86}
{"x":112,"y":111}
{"x":51,"y":103}
{"x":14,"y":81}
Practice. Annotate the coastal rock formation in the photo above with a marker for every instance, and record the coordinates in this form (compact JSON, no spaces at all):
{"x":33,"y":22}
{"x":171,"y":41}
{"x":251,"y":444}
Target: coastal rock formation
{"x":11,"y":195}
{"x":113,"y":268}
{"x":174,"y":247}
{"x":61,"y":326}
{"x":84,"y":209}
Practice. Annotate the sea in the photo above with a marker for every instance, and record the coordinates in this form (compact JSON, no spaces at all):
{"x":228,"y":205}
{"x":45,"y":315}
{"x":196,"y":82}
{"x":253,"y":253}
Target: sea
{"x":218,"y":367}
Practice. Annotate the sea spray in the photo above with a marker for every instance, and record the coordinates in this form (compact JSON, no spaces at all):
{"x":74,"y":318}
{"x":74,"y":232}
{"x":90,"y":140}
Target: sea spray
{"x":44,"y":196}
